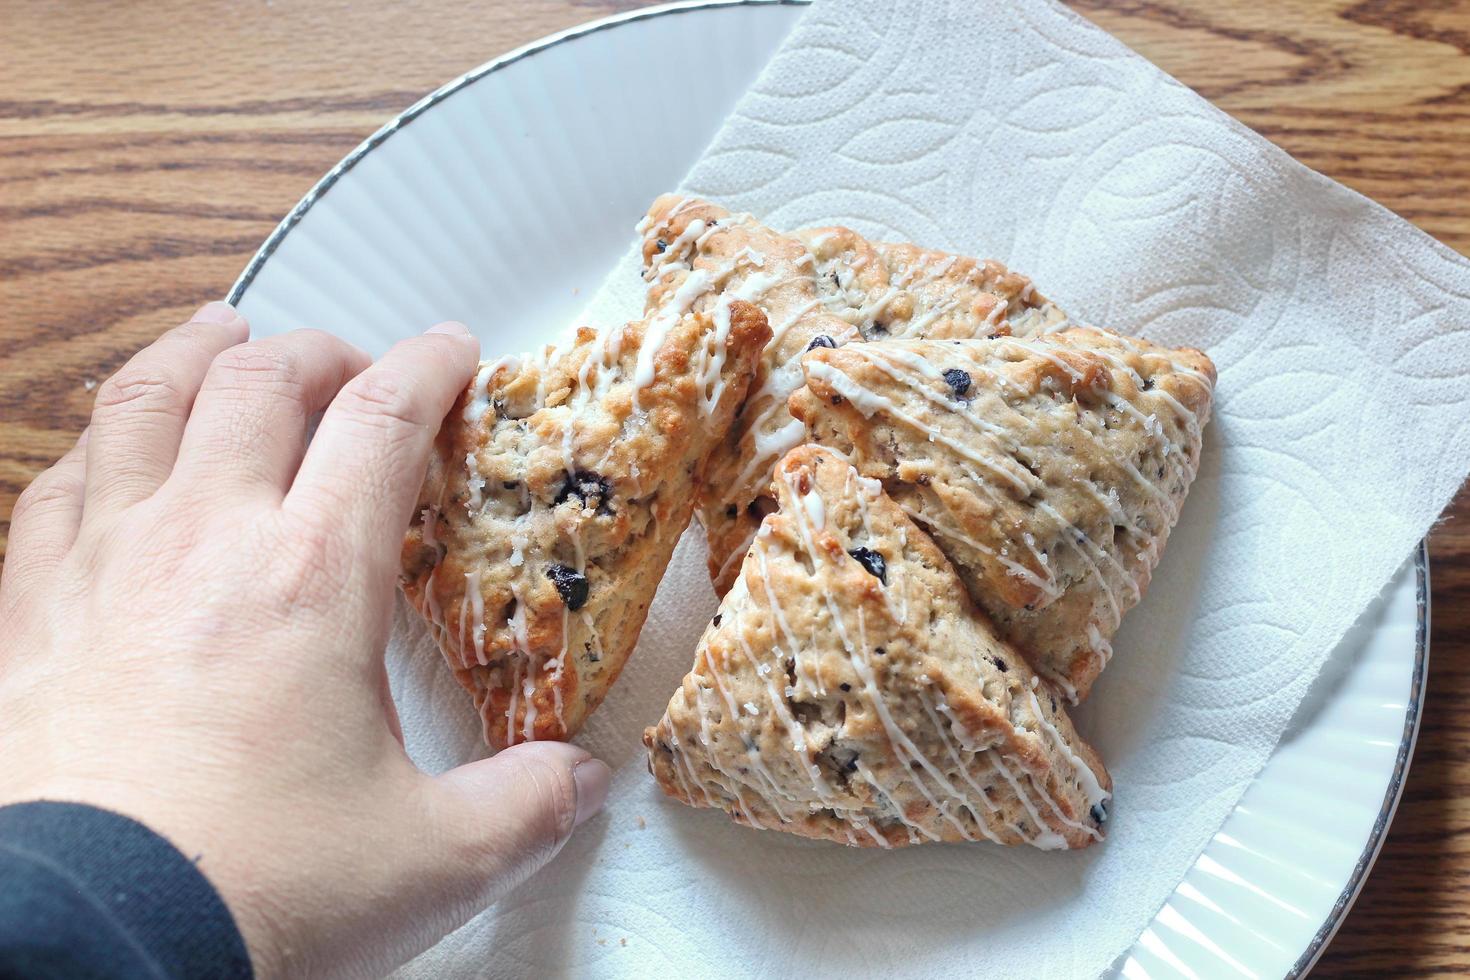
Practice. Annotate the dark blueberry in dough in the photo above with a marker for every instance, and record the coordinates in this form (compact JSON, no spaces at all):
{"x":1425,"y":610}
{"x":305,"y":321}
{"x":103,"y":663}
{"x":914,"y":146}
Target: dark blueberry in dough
{"x":660,"y":246}
{"x":821,"y":340}
{"x":992,"y":336}
{"x":572,"y":585}
{"x":731,"y":511}
{"x":760,"y":507}
{"x":959,"y":381}
{"x":591,"y":488}
{"x":879,"y":329}
{"x":872,"y":562}
{"x":846,"y":686}
{"x":1099,"y":812}
{"x":1000,"y":664}
{"x":716,"y":620}
{"x":1148,"y":384}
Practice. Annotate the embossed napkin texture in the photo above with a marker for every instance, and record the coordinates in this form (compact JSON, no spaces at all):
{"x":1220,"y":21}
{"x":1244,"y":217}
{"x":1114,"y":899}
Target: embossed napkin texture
{"x":1020,"y":131}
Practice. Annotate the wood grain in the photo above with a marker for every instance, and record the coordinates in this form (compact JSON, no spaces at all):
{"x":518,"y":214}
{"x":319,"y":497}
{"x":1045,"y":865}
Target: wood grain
{"x":147,"y":149}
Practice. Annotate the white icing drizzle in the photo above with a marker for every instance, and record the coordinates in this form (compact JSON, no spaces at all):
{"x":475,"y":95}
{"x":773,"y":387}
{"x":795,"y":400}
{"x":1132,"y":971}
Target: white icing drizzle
{"x":523,"y":682}
{"x":672,"y":255}
{"x":677,"y":753}
{"x":474,"y":483}
{"x":941,"y":728}
{"x":867,"y":487}
{"x":479,"y":402}
{"x":870,"y":403}
{"x":712,"y":360}
{"x":901,"y":365}
{"x":815,"y":512}
{"x":477,"y":605}
{"x":658,"y":326}
{"x":1012,"y":567}
{"x":924,"y":379}
{"x":773,"y":788}
{"x":792,"y":643}
{"x":1086,"y":778}
{"x":770,"y":446}
{"x":557,"y":665}
{"x":809,"y":513}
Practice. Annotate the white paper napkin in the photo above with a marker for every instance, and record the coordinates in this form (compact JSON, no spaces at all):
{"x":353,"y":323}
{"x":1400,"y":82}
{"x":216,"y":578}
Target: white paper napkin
{"x":1342,"y":334}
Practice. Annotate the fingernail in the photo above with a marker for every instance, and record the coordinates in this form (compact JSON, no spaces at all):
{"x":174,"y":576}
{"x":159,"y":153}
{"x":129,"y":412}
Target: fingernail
{"x":216,"y":312}
{"x":450,"y":327}
{"x":592,"y":778}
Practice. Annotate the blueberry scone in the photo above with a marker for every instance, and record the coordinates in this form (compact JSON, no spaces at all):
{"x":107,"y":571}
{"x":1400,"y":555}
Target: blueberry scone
{"x":559,"y":486}
{"x":1049,"y":470}
{"x":825,"y":288}
{"x":848,"y":690}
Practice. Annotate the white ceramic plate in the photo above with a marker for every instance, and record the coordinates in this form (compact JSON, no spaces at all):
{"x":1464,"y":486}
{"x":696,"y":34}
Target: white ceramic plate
{"x":503,"y":198}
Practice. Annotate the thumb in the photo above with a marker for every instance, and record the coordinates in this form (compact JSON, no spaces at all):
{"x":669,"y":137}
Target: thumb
{"x":516,"y":809}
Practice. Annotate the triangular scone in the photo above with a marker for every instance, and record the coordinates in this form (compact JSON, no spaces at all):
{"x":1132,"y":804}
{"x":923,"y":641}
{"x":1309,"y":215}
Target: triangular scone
{"x":1048,"y":470}
{"x":825,"y":286}
{"x":848,"y":690}
{"x":558,"y":488}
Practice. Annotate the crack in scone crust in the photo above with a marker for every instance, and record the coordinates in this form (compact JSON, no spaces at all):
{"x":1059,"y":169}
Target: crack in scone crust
{"x":823,"y":287}
{"x":848,"y":690}
{"x":1049,"y":470}
{"x":559,"y":485}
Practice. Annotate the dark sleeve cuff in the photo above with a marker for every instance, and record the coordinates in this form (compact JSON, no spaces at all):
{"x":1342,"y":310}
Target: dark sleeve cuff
{"x":86,"y":892}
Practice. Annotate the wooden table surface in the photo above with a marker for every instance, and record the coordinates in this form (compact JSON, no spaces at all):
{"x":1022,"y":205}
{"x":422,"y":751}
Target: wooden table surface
{"x":147,"y":149}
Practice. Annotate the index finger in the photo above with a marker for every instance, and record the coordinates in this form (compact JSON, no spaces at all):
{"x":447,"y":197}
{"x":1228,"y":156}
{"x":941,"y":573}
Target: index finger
{"x":366,"y":463}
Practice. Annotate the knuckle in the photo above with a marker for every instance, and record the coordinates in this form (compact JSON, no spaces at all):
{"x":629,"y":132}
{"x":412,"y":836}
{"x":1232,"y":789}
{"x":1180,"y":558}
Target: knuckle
{"x":151,"y":387}
{"x":48,"y":490}
{"x":250,"y":364}
{"x":383,"y":397}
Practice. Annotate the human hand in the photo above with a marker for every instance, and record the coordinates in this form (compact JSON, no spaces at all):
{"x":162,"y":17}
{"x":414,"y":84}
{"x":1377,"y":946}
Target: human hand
{"x":195,"y":605}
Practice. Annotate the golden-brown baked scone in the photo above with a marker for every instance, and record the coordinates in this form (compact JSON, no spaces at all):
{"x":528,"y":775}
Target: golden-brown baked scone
{"x":825,"y":286}
{"x":849,"y":690}
{"x":559,"y":486}
{"x":1050,"y":470}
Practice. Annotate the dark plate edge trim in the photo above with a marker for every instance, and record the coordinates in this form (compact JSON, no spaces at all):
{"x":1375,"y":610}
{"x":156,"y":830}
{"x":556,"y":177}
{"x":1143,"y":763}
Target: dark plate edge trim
{"x":1395,"y":791}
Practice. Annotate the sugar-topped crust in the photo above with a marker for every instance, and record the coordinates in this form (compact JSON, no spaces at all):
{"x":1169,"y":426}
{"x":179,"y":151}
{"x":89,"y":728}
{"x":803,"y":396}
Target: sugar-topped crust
{"x":825,"y":286}
{"x":1049,"y":470}
{"x":848,"y":690}
{"x":558,"y":488}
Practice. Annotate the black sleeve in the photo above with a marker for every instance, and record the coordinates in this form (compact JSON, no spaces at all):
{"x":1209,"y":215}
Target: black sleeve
{"x":90,"y":893}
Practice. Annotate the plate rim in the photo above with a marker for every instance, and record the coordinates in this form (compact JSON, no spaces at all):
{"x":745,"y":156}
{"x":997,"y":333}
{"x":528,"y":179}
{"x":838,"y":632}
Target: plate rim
{"x":402,"y":119}
{"x":1394,"y":792}
{"x":1413,"y":713}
